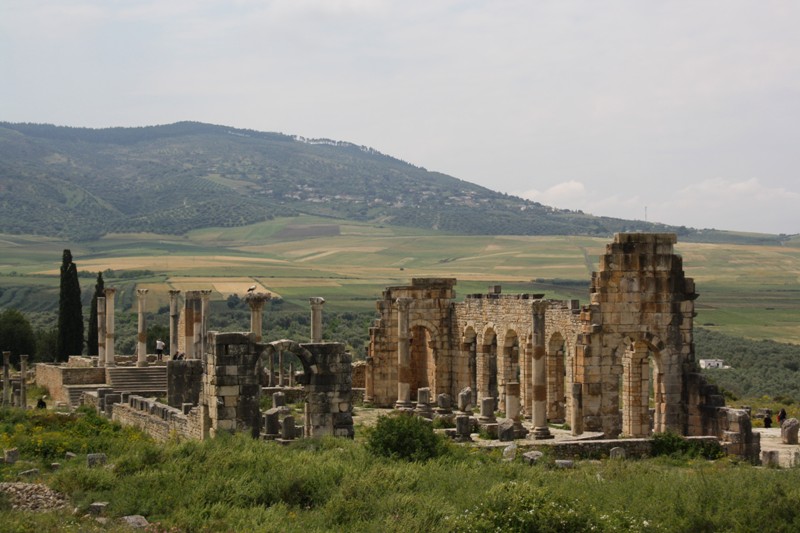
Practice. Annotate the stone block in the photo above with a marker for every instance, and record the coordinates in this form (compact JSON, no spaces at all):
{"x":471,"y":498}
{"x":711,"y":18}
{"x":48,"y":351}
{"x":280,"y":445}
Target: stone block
{"x":11,"y":456}
{"x":770,"y":458}
{"x":505,"y":430}
{"x":617,"y":453}
{"x":96,"y":459}
{"x":789,"y":430}
{"x":532,"y":457}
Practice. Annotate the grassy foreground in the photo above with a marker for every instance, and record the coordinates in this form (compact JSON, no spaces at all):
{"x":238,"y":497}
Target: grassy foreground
{"x":239,"y":484}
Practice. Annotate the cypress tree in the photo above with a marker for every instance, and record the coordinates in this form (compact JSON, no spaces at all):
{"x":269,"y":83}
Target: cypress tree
{"x":91,"y":336}
{"x":70,"y":312}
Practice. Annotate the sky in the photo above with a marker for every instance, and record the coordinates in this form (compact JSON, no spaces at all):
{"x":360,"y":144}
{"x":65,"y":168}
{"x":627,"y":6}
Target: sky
{"x":684,"y":112}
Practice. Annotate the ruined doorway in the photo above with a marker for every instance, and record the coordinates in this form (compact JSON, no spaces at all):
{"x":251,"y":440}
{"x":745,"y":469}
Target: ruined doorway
{"x":556,"y":370}
{"x":469,"y":348}
{"x":423,"y":360}
{"x":510,"y":365}
{"x":642,"y":385}
{"x":487,"y":368}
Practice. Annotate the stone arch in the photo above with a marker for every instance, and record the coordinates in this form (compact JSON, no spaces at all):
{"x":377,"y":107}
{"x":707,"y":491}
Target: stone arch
{"x":642,"y":377}
{"x":509,"y":364}
{"x":423,"y":357}
{"x":556,"y":368}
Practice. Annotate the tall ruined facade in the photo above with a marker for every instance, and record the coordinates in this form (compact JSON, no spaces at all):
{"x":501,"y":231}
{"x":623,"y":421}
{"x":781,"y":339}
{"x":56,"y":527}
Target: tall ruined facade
{"x":601,"y":361}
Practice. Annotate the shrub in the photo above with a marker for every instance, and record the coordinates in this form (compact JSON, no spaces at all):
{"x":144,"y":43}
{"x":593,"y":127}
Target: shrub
{"x":672,"y":444}
{"x":405,"y":437}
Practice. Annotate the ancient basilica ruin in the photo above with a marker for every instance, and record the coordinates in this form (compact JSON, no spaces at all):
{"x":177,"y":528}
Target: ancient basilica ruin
{"x":623,"y":365}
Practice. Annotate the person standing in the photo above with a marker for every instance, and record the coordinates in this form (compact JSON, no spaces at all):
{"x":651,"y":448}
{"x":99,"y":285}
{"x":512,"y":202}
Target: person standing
{"x":781,"y":416}
{"x":159,"y":349}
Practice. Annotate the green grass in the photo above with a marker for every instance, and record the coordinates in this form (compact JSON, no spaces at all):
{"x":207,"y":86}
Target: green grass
{"x":235,"y":483}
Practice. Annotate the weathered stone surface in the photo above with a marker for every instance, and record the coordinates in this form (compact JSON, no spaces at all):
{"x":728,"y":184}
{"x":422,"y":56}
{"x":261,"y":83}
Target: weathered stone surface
{"x":11,"y":456}
{"x":97,"y":508}
{"x":532,"y":457}
{"x":565,"y":463}
{"x":135,"y":521}
{"x":770,"y":458}
{"x":617,"y":453}
{"x":789,"y":430}
{"x":33,"y":497}
{"x":505,"y":430}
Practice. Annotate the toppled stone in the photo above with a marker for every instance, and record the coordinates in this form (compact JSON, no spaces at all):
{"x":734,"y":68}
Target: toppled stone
{"x":70,"y":455}
{"x":136,"y":521}
{"x":617,"y":453}
{"x":565,"y":463}
{"x":33,"y":497}
{"x":789,"y":430}
{"x":97,"y":508}
{"x":33,"y":472}
{"x":11,"y":456}
{"x":96,"y":459}
{"x":532,"y":457}
{"x":510,"y":452}
{"x":55,"y":466}
{"x":506,"y":430}
{"x":770,"y":458}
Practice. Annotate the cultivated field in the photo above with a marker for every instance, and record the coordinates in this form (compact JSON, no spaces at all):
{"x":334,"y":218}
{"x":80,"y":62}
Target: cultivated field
{"x":751,"y":291}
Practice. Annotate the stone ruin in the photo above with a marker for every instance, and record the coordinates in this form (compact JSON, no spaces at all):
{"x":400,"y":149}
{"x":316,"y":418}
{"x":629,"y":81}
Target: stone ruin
{"x":591,"y":367}
{"x":549,"y":361}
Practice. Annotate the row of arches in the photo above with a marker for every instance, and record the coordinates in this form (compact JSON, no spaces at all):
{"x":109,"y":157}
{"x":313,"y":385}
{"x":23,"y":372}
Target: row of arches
{"x":492,"y":359}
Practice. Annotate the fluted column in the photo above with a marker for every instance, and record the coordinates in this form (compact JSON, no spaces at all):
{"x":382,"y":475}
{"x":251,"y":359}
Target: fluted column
{"x":316,"y":318}
{"x":6,"y":379}
{"x":174,"y":318}
{"x":539,"y":408}
{"x":101,"y":331}
{"x":23,"y":374}
{"x":403,"y":356}
{"x":110,"y":326}
{"x":141,"y":336}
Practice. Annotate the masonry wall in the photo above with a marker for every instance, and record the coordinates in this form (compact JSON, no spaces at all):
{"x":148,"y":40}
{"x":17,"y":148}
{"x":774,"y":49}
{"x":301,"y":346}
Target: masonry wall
{"x":54,"y":377}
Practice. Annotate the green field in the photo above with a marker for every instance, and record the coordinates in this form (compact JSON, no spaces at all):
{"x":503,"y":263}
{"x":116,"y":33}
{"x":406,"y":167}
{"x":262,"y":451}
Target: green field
{"x":750,"y":291}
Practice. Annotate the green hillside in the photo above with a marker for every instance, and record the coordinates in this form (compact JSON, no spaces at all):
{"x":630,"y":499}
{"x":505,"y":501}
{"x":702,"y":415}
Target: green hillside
{"x":81,"y":184}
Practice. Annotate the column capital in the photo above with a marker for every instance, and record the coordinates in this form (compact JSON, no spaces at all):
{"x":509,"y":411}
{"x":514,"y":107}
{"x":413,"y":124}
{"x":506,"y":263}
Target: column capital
{"x":142,"y":292}
{"x":174,"y":292}
{"x":316,"y":301}
{"x":109,"y":291}
{"x":403,"y":302}
{"x":256,"y":299}
{"x":539,"y":306}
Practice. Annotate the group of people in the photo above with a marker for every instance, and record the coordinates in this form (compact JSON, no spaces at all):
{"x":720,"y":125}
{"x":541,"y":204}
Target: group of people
{"x":781,"y":417}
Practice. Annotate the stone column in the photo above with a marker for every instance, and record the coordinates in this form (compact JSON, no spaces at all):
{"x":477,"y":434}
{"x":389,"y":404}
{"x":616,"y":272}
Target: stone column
{"x":188,"y":323}
{"x":280,"y":368}
{"x":403,"y":356}
{"x":539,"y":408}
{"x":316,"y":318}
{"x":101,"y":331}
{"x":205,"y":296}
{"x":368,"y":381}
{"x":110,"y":326}
{"x":256,"y":301}
{"x":197,"y":327}
{"x":23,"y":374}
{"x":6,"y":379}
{"x":174,"y":318}
{"x":141,"y":337}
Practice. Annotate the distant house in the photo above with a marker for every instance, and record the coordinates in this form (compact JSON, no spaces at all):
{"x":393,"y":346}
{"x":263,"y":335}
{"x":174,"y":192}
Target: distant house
{"x":712,"y":363}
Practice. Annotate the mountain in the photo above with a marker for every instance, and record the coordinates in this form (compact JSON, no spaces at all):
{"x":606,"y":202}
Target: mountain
{"x":80,"y":184}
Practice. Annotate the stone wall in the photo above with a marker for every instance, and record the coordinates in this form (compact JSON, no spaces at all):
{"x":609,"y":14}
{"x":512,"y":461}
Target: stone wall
{"x":184,"y":382}
{"x":160,"y":421}
{"x":598,"y":449}
{"x":55,"y":377}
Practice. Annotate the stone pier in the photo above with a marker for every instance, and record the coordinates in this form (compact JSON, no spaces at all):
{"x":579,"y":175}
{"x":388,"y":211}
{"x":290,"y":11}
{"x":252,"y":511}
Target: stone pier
{"x":316,"y":318}
{"x":141,"y":337}
{"x":403,"y":356}
{"x":110,"y":326}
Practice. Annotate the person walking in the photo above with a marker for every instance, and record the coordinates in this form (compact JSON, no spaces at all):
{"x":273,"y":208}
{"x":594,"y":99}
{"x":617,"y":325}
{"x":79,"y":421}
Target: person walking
{"x":159,"y":349}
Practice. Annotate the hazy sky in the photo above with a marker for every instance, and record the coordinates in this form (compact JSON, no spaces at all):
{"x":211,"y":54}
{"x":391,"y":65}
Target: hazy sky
{"x":688,"y":108}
